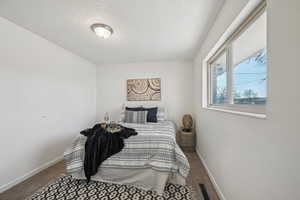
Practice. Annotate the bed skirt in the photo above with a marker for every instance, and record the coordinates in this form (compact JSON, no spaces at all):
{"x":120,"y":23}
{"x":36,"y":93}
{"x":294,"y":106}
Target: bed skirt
{"x":146,"y":179}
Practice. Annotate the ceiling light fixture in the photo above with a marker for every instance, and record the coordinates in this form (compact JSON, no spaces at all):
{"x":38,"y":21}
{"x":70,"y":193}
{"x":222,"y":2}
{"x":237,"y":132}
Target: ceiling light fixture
{"x":102,"y":30}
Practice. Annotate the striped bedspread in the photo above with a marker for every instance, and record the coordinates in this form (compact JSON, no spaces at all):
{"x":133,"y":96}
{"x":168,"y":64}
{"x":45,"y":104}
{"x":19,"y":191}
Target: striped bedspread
{"x":154,"y":147}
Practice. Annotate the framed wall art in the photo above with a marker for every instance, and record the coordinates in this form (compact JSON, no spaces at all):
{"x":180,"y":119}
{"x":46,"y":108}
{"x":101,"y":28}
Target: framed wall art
{"x":144,"y":89}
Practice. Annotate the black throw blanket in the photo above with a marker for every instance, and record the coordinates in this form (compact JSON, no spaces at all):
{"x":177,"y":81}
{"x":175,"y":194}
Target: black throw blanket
{"x":100,"y":145}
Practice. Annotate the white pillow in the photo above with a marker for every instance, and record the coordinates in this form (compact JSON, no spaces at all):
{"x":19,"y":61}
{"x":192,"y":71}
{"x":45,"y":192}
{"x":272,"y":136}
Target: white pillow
{"x":122,"y":115}
{"x":161,"y":114}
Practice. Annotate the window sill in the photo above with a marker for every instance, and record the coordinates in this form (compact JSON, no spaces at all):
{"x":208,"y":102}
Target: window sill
{"x":248,"y":114}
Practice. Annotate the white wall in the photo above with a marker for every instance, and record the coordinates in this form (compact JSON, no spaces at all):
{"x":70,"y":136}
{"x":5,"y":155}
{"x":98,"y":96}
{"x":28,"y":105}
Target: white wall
{"x":176,"y":86}
{"x":255,"y":158}
{"x":47,"y":96}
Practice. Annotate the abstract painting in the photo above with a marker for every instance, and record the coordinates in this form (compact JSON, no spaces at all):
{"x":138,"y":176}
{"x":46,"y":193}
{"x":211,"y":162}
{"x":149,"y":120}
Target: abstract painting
{"x":143,"y":89}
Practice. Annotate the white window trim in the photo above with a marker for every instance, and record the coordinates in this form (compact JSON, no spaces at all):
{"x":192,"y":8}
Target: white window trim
{"x":249,"y":13}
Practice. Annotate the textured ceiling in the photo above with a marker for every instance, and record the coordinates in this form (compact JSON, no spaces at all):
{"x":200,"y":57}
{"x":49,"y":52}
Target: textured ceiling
{"x":144,"y":30}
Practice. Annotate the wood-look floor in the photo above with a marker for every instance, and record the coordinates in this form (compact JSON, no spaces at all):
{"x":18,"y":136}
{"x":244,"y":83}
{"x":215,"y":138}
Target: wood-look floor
{"x":21,"y":191}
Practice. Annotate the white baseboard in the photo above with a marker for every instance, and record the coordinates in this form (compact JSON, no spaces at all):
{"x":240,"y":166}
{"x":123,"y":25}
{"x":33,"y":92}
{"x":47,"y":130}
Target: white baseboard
{"x":211,"y":177}
{"x":29,"y":174}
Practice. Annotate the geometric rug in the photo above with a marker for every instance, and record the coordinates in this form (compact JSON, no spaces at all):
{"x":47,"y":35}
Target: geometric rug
{"x":66,"y":188}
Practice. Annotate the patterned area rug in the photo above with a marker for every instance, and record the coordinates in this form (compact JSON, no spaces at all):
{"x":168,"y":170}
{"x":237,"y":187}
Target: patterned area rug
{"x":66,"y":188}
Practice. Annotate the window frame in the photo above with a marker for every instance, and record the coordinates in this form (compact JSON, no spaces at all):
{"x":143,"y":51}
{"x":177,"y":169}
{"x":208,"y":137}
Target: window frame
{"x":226,"y":48}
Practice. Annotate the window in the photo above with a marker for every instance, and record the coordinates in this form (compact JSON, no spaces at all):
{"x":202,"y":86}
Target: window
{"x":249,"y":80}
{"x":219,"y":80}
{"x":237,"y":71}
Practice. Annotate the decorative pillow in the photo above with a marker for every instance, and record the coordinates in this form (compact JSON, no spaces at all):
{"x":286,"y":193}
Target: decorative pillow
{"x":161,"y":114}
{"x":140,"y":108}
{"x":152,"y":114}
{"x":138,"y":117}
{"x":122,"y":115}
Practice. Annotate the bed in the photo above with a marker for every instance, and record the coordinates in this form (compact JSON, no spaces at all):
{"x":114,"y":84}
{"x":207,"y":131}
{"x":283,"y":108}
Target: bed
{"x":148,"y":160}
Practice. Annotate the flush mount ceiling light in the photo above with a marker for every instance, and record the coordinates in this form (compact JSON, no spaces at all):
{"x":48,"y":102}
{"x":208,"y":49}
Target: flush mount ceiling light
{"x":102,"y":30}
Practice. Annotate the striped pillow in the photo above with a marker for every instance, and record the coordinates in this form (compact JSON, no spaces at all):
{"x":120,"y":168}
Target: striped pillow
{"x":137,"y":117}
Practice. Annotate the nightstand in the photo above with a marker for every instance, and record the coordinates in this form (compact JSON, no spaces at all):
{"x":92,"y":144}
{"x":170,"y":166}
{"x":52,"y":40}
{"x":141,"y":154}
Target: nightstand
{"x":186,"y":140}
